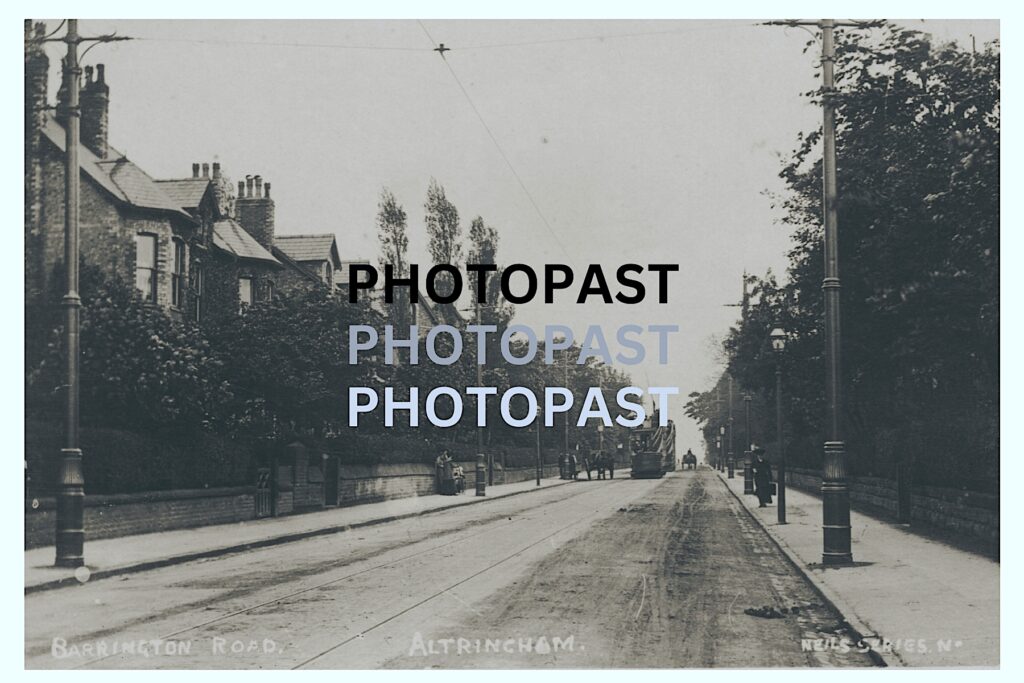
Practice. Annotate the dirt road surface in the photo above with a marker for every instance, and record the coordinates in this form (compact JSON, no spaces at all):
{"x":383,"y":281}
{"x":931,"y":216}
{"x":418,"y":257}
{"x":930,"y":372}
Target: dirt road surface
{"x":616,"y":573}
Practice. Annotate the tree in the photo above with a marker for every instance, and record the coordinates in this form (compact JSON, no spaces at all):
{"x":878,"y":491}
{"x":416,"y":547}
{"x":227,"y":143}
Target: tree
{"x":918,"y":147}
{"x":483,"y":249}
{"x":394,"y":248}
{"x":443,"y":232}
{"x":287,"y":364}
{"x":140,"y":369}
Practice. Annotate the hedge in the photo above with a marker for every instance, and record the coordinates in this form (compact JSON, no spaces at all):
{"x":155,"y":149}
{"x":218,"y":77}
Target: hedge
{"x":119,"y":461}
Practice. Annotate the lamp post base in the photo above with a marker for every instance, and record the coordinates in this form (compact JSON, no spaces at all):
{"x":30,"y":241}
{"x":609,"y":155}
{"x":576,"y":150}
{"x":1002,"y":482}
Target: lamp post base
{"x":835,"y":503}
{"x":70,"y":511}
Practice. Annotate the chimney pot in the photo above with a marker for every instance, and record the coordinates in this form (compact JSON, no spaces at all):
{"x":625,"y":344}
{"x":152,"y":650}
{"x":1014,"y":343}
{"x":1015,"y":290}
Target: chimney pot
{"x":94,"y":103}
{"x":241,"y":189}
{"x":216,"y":169}
{"x":206,"y":170}
{"x":100,"y":68}
{"x":248,"y":186}
{"x":258,"y":181}
{"x":266,"y":190}
{"x":195,"y":170}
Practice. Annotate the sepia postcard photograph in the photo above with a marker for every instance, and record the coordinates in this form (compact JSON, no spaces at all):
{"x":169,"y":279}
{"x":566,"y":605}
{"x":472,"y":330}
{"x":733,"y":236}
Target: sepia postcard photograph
{"x":597,"y":343}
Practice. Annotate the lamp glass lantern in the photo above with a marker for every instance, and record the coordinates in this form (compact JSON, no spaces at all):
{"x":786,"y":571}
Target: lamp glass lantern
{"x":778,"y":337}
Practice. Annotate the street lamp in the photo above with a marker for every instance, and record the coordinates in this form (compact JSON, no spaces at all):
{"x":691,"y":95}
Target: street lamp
{"x":718,"y":445}
{"x":748,"y":455}
{"x":731,"y":465}
{"x":539,"y":461}
{"x":778,"y":337}
{"x":721,"y":456}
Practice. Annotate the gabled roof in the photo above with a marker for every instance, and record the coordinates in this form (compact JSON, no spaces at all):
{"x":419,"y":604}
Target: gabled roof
{"x":310,"y":247}
{"x":231,"y":237}
{"x":187,"y":193}
{"x":289,"y":262}
{"x":125,"y":181}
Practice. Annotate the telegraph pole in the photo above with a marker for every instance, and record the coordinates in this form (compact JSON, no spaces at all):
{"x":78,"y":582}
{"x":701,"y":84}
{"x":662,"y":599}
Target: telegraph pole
{"x":479,"y":429}
{"x":70,"y":523}
{"x":748,"y":482}
{"x":730,"y":455}
{"x":565,"y":383}
{"x":835,"y":493}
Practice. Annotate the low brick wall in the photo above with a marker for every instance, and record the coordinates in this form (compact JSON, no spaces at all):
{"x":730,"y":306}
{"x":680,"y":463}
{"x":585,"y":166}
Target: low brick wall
{"x":359,"y":484}
{"x":517,"y":474}
{"x":972,"y":514}
{"x":141,"y":513}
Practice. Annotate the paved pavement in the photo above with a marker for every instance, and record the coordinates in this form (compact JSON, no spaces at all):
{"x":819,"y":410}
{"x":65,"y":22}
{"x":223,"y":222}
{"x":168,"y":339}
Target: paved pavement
{"x":616,"y":573}
{"x":116,"y":556}
{"x":936,"y":605}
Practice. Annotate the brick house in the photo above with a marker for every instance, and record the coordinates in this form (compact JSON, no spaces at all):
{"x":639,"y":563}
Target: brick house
{"x":190,"y":245}
{"x":233,"y":265}
{"x":241,"y":259}
{"x":130,"y":228}
{"x":317,"y":254}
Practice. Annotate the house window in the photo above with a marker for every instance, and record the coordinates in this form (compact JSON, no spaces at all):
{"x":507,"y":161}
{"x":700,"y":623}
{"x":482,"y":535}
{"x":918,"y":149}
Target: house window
{"x":197,"y":292}
{"x":270,"y":290}
{"x":245,"y":290}
{"x":145,"y":266}
{"x":178,"y":276}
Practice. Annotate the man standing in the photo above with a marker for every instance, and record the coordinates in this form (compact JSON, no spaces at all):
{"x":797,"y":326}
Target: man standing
{"x":762,"y":478}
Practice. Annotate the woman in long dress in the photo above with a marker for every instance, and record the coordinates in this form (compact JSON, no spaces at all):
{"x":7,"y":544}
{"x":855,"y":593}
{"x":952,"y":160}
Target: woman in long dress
{"x":762,"y":478}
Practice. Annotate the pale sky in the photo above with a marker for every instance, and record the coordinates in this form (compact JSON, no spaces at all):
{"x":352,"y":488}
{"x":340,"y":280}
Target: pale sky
{"x":653,"y":142}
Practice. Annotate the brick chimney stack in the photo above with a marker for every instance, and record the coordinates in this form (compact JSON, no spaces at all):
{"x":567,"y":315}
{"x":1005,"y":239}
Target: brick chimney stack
{"x":95,"y":103}
{"x":254,"y":210}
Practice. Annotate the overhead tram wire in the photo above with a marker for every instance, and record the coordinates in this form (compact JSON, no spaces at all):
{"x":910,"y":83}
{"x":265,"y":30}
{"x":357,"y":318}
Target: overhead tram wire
{"x":440,"y":49}
{"x":265,"y":43}
{"x":723,"y":24}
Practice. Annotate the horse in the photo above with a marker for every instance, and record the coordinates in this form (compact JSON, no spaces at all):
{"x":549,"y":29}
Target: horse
{"x":600,"y":462}
{"x":690,"y":461}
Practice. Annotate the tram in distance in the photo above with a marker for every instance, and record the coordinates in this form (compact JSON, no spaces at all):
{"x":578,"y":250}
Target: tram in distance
{"x":654,"y":449}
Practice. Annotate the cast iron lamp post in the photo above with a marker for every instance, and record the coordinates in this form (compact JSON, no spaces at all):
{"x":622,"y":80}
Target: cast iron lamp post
{"x":778,"y":337}
{"x":748,"y":456}
{"x":721,"y":454}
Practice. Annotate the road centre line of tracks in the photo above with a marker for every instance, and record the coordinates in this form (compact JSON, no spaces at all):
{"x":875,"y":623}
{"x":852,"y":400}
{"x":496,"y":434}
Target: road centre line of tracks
{"x":448,"y":588}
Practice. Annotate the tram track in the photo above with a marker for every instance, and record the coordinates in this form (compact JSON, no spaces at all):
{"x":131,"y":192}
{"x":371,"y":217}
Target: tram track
{"x":437,"y":594}
{"x":488,"y":525}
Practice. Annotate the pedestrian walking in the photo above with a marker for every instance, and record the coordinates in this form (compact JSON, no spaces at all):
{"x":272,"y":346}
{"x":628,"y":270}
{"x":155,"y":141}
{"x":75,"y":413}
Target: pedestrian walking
{"x":762,"y":478}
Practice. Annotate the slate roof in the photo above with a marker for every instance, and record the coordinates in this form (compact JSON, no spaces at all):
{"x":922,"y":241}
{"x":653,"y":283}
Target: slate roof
{"x":289,"y":262}
{"x":309,"y":247}
{"x":232,"y":238}
{"x":117,"y":175}
{"x":341,"y":273}
{"x":187,"y":192}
